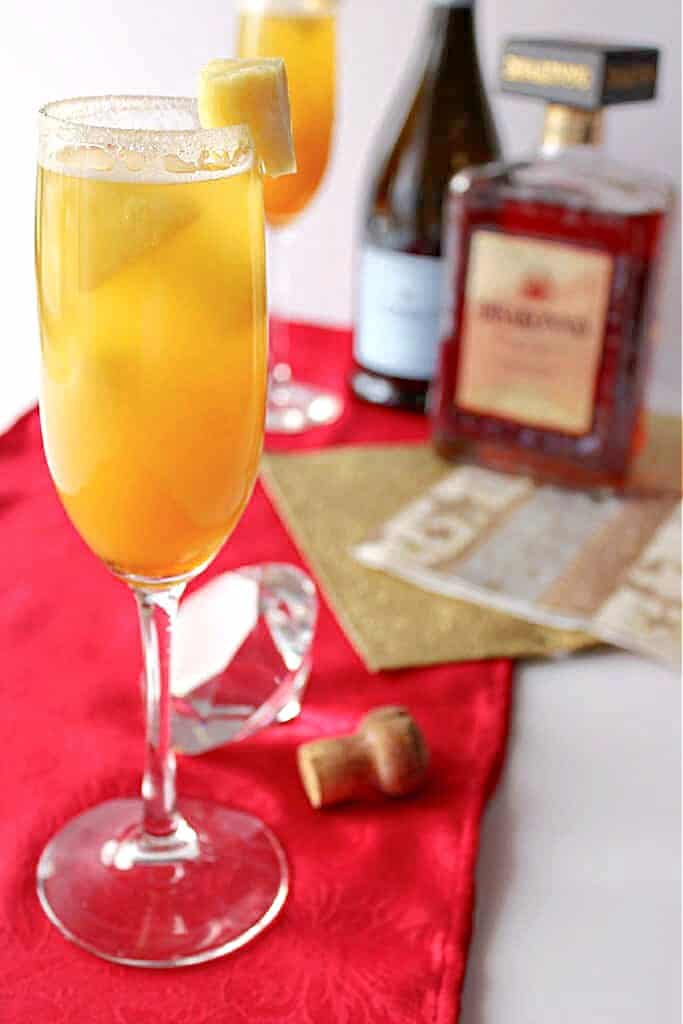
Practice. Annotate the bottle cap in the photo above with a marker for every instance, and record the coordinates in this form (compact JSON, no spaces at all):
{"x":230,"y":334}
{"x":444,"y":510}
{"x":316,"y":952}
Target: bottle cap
{"x":579,"y":73}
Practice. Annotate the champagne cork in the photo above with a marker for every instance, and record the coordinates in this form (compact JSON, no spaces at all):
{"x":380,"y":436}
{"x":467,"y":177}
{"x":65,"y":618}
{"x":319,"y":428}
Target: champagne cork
{"x":387,"y":753}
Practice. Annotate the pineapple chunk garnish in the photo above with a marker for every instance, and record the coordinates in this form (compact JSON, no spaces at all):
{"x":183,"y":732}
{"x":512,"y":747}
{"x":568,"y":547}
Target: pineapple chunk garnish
{"x":254,"y":93}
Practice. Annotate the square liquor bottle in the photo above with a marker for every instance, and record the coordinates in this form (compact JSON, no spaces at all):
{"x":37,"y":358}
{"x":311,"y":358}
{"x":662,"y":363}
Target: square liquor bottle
{"x":550,"y":272}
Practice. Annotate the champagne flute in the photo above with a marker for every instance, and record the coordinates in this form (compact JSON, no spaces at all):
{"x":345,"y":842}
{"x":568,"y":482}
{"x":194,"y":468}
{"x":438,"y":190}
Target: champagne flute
{"x":303,"y":32}
{"x":151,"y":283}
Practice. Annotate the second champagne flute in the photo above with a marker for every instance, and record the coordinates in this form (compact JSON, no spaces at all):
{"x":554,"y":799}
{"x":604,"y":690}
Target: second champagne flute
{"x":303,"y":32}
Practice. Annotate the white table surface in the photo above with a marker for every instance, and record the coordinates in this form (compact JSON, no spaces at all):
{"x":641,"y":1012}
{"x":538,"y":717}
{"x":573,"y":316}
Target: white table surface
{"x":579,"y":880}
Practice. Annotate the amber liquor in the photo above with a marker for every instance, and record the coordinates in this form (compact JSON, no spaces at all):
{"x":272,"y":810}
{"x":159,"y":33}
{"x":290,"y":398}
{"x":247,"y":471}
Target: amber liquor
{"x":551,"y":267}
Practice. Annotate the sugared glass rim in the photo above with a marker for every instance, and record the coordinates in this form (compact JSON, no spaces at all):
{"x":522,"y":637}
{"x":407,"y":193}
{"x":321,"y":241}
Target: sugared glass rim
{"x":90,"y":121}
{"x":314,"y":8}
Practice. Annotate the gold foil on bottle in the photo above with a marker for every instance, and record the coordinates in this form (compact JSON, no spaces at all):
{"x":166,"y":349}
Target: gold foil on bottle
{"x":569,"y":126}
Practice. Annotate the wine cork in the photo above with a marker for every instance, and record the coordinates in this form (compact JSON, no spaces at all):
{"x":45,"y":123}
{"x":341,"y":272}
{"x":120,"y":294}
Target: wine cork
{"x":387,"y":753}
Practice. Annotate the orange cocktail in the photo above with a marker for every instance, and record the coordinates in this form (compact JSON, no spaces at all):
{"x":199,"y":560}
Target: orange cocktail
{"x":153,"y":322}
{"x":305,"y":36}
{"x":151,"y":287}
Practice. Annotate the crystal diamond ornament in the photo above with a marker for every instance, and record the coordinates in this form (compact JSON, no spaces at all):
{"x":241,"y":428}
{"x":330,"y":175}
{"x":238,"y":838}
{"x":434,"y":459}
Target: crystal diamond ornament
{"x":242,"y":655}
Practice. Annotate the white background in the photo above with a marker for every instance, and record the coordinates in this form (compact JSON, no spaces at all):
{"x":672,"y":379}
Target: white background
{"x":73,"y":47}
{"x":579,"y":889}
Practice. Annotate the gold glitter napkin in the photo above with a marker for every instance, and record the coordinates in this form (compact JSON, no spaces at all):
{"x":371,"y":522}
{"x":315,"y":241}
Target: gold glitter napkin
{"x":331,"y":500}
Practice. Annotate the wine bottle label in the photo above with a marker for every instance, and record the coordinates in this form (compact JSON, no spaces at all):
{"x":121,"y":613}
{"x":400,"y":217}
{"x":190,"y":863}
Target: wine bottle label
{"x":534,"y":323}
{"x":398,"y":317}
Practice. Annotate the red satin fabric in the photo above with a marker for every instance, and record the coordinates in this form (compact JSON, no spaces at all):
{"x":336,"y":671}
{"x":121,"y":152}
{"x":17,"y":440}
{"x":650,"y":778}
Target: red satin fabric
{"x":377,"y":925}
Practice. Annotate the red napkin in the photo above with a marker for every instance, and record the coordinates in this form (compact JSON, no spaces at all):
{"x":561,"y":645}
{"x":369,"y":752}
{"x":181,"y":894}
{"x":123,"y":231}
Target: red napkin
{"x":377,"y":924}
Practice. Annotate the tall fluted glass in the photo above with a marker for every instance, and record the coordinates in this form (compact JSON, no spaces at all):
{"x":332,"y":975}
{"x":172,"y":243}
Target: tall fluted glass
{"x":304,"y":33}
{"x":151,"y":283}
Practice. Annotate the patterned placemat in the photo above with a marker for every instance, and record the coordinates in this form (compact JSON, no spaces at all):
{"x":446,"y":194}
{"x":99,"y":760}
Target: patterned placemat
{"x":609,"y":566}
{"x":332,"y":500}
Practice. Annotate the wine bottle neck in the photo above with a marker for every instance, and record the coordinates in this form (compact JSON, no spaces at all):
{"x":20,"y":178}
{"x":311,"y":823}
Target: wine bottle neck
{"x":456,"y":13}
{"x":452,"y":25}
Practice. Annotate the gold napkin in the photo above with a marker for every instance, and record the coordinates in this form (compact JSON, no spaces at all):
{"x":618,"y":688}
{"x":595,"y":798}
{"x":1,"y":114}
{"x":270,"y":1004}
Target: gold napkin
{"x":330,"y":500}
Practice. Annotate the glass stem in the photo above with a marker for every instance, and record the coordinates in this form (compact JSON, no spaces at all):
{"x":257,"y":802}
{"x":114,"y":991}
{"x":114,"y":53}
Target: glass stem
{"x":157,"y":617}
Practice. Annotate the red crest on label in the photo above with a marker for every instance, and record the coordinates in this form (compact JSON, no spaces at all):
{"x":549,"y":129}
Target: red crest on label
{"x":537,"y":287}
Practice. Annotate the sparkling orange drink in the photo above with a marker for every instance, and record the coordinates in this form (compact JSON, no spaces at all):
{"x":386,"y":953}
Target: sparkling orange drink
{"x":304,"y":35}
{"x":153,"y":324}
{"x":151,"y":289}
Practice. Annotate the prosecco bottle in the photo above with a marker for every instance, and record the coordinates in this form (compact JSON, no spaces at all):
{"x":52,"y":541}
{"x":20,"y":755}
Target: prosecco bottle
{"x":445,"y":126}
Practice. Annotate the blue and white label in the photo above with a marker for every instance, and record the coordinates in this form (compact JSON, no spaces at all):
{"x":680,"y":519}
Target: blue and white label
{"x":399,"y":308}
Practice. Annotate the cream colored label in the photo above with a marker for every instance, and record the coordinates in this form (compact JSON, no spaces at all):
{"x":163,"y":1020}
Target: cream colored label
{"x":533,"y":71}
{"x":533,"y":329}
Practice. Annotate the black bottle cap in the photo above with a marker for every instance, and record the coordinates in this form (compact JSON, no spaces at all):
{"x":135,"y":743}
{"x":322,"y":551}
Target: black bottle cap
{"x":579,"y":73}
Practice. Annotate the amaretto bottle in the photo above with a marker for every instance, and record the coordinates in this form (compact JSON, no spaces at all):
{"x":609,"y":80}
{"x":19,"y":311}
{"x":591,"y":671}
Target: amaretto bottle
{"x":551,"y":268}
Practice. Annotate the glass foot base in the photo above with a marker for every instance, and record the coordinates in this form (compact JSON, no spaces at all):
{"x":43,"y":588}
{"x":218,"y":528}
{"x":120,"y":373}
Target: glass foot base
{"x":148,"y":902}
{"x":293,"y":408}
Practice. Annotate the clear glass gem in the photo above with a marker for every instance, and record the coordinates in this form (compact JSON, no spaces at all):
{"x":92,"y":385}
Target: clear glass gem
{"x":242,"y":655}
